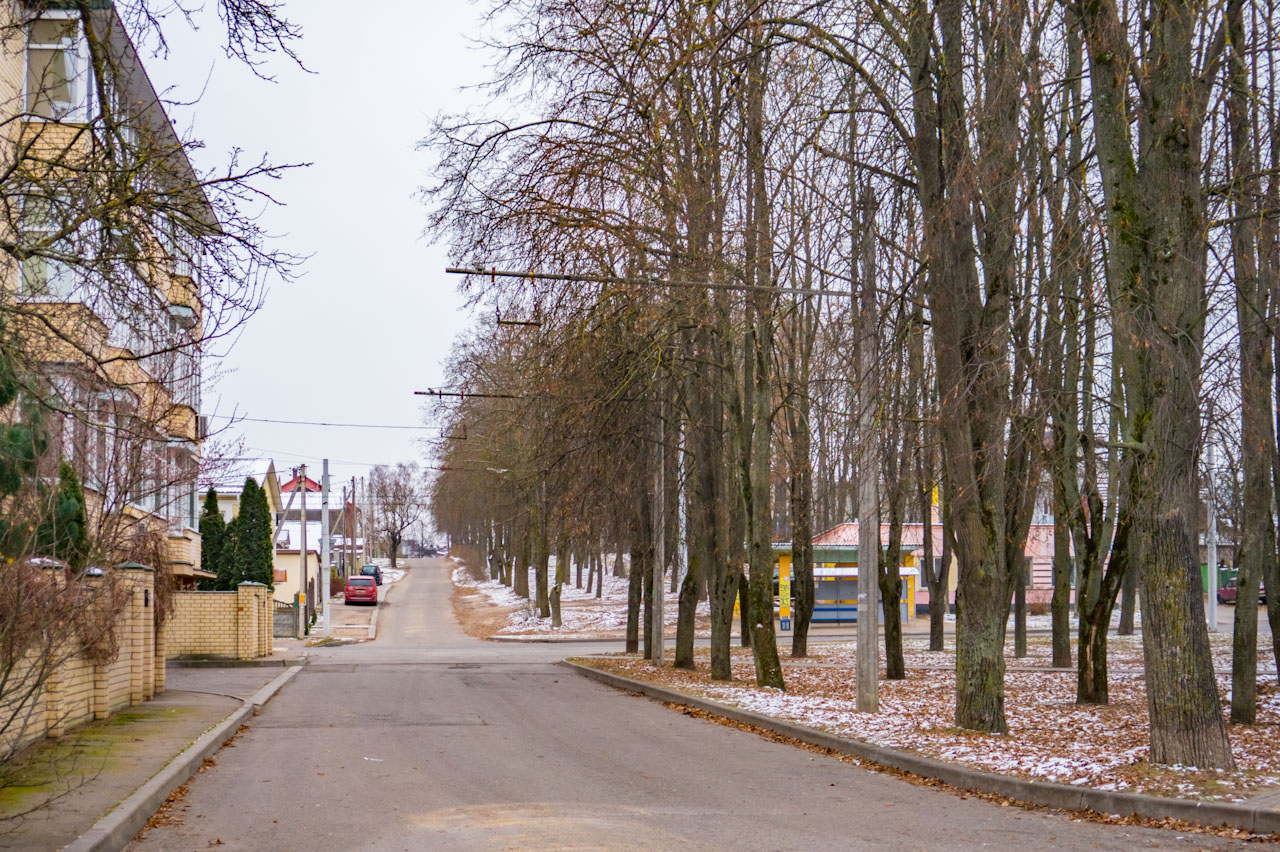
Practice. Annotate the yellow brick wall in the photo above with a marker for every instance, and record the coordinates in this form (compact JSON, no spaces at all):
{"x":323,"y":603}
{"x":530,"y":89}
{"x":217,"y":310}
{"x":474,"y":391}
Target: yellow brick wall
{"x":203,"y":623}
{"x":79,"y":690}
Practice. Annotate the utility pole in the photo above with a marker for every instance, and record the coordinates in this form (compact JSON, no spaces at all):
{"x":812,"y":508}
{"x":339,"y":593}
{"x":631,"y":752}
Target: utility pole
{"x":324,"y":545}
{"x":659,"y":536}
{"x":303,"y":544}
{"x":868,"y":654}
{"x":1211,"y":544}
{"x":342,"y":554}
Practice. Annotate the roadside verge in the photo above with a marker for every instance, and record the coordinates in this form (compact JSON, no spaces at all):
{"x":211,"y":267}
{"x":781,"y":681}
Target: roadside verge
{"x":1253,"y":818}
{"x":115,"y":830}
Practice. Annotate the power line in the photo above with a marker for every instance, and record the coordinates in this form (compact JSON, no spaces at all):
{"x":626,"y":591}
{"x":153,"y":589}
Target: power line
{"x":470,"y":394}
{"x":320,"y":423}
{"x":646,"y":282}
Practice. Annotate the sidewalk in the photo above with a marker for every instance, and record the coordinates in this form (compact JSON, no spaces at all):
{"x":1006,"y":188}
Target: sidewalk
{"x":74,"y":782}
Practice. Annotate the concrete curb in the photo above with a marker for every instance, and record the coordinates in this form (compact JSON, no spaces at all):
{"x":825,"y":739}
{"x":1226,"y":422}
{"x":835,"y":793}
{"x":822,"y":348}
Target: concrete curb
{"x":229,"y":664}
{"x":117,"y":829}
{"x":373,"y":624}
{"x":1254,"y":818}
{"x":539,"y":638}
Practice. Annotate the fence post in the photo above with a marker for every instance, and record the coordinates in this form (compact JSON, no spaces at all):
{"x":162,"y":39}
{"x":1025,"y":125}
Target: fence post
{"x":247,"y":620}
{"x":138,"y":626}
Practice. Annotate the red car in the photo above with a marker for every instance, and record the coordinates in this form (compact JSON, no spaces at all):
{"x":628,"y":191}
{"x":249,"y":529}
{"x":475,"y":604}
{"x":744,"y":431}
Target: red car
{"x":361,"y":590}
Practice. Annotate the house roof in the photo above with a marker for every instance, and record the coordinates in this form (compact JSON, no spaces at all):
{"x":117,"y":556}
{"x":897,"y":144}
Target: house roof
{"x":312,"y":485}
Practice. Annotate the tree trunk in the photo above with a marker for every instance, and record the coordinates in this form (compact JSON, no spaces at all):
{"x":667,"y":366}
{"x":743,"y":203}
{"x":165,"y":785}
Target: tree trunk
{"x":895,"y":667}
{"x":562,"y":577}
{"x":802,"y":530}
{"x":1060,"y":605}
{"x":523,"y":559}
{"x":1257,"y":533}
{"x":1156,"y":220}
{"x":1128,"y":603}
{"x":542,"y":555}
{"x":635,"y":590}
{"x":758,"y":490}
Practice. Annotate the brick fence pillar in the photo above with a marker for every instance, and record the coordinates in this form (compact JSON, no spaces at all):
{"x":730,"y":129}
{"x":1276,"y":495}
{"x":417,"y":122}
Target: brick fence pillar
{"x":139,"y":627}
{"x":265,"y":622}
{"x":161,"y":642}
{"x":247,"y":620}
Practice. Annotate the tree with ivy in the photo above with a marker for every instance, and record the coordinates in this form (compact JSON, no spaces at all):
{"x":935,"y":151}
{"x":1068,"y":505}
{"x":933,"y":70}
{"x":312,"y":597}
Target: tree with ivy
{"x":213,"y":532}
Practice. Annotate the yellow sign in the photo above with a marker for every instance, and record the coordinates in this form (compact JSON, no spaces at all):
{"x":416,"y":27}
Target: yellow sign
{"x":784,"y":588}
{"x":302,"y":598}
{"x":784,"y":591}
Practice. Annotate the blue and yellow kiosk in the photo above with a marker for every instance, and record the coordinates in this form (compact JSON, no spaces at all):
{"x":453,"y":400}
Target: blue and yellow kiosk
{"x":835,"y":576}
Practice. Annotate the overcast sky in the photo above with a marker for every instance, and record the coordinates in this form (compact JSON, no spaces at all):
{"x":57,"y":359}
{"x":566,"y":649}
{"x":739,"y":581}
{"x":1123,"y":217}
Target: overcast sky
{"x":373,"y":315}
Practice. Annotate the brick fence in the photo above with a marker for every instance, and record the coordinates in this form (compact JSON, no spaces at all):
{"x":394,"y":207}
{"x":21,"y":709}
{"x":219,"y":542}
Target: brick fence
{"x":78,"y":690}
{"x":232,"y":625}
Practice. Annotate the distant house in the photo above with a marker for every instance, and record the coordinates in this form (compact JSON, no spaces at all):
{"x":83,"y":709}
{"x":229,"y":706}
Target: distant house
{"x":313,"y":487}
{"x":230,"y":489}
{"x":1039,"y":551}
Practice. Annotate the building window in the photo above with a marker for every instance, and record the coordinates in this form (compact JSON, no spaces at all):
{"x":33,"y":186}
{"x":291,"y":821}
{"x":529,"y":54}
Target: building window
{"x":57,"y":81}
{"x":44,"y":276}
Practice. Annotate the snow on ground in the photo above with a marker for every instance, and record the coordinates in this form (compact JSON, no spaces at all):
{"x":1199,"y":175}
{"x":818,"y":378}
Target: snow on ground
{"x":582,"y":614}
{"x":1050,"y":737}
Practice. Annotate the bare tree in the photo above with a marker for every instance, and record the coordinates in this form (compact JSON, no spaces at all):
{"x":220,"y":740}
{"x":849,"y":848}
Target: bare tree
{"x":399,"y":498}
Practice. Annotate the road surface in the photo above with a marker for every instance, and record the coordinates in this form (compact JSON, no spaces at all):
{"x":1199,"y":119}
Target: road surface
{"x":428,"y":739}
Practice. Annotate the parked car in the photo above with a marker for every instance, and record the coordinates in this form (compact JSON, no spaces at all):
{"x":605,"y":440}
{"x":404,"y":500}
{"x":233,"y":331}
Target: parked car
{"x":372,"y":571}
{"x":1227,"y":594}
{"x":361,"y":590}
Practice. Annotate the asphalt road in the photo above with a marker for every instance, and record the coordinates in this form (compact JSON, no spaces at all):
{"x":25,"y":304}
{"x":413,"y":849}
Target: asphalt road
{"x":427,"y":739}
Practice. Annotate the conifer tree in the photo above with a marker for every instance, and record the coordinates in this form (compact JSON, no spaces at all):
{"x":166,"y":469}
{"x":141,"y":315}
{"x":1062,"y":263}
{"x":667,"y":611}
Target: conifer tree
{"x":213,"y":532}
{"x":261,"y":551}
{"x":64,"y":530}
{"x":253,"y":537}
{"x":228,"y":576}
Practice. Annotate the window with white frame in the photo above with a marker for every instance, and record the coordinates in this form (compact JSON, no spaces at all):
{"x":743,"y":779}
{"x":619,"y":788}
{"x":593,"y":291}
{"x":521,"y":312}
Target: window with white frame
{"x":58,"y":73}
{"x":45,"y":276}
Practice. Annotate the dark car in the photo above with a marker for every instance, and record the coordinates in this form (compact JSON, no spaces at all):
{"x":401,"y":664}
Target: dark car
{"x":361,"y":590}
{"x":372,"y":571}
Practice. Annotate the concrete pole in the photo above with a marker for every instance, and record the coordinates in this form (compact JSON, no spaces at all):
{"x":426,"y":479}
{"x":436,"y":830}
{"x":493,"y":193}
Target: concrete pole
{"x":659,"y":536}
{"x":1211,"y":545}
{"x":324,"y":545}
{"x":868,"y":653}
{"x":303,"y":545}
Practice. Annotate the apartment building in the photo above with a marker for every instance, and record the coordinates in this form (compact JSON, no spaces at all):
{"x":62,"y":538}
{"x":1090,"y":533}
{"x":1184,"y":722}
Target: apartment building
{"x":101,"y":277}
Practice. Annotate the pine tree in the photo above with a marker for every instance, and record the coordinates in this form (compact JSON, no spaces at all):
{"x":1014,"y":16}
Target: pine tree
{"x":213,"y":533}
{"x":253,"y":538}
{"x":246,"y":525}
{"x":21,"y":445}
{"x":64,"y":530}
{"x":227,"y":574}
{"x":263,"y":549}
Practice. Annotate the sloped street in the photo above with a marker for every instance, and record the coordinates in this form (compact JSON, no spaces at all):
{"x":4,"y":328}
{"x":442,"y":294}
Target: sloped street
{"x":428,"y":739}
